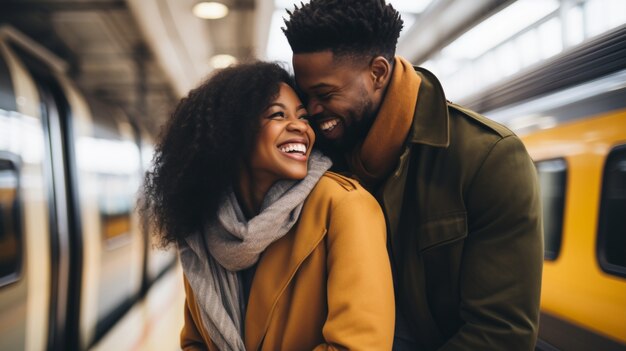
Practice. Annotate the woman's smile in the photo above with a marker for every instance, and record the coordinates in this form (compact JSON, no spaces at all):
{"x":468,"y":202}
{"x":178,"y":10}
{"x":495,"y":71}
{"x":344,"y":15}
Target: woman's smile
{"x":295,"y":149}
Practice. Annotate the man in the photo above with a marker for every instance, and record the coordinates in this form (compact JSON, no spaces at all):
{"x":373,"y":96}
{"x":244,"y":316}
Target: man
{"x":459,"y":191}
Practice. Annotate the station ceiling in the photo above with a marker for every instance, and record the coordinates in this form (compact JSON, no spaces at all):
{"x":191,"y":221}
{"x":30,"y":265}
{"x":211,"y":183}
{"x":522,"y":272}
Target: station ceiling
{"x":143,"y":55}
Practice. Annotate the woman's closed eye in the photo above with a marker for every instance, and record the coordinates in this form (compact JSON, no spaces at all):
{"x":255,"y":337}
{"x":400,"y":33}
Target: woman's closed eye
{"x":277,"y":115}
{"x":281,"y":115}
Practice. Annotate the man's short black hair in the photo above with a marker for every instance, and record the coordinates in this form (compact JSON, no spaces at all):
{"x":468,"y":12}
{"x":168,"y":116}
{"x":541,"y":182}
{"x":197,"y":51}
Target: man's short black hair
{"x":366,"y":28}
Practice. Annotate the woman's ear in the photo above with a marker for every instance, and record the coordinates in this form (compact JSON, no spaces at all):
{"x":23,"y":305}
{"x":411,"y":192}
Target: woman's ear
{"x":380,"y":70}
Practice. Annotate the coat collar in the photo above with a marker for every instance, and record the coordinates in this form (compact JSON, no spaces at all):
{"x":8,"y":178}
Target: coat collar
{"x":430,"y":120}
{"x":430,"y":127}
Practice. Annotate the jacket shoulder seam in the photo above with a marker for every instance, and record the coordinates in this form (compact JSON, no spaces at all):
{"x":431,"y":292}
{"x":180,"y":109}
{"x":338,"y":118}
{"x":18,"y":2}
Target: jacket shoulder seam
{"x":346,"y":183}
{"x":494,"y":126}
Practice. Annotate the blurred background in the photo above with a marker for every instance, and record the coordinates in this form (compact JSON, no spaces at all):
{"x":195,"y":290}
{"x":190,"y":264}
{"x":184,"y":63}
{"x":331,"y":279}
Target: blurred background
{"x":85,"y":86}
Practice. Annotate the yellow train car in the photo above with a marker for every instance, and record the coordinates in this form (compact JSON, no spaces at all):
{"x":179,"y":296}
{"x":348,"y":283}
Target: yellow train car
{"x":582,"y":170}
{"x":571,"y":115}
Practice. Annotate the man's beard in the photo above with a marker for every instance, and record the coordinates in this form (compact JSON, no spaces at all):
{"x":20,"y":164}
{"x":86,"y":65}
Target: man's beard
{"x":353,"y":135}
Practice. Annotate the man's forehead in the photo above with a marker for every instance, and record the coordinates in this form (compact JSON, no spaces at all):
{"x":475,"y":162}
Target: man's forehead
{"x":316,"y":56}
{"x":316,"y":69}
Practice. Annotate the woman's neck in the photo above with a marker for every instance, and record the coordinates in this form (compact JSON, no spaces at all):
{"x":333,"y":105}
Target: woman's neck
{"x":250,"y":193}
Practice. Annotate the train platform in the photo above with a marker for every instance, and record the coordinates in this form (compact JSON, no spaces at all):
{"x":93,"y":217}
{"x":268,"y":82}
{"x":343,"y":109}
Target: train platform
{"x":154,"y":323}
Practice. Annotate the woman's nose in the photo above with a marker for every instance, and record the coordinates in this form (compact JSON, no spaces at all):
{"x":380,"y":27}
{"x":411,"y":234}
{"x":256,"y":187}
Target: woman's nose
{"x":298,"y":125}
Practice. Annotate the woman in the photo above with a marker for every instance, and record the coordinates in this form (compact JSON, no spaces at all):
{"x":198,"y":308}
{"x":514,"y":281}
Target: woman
{"x":277,"y":253}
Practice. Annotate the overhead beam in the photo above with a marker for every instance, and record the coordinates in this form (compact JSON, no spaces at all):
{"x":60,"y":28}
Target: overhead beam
{"x":28,"y":6}
{"x":441,"y":23}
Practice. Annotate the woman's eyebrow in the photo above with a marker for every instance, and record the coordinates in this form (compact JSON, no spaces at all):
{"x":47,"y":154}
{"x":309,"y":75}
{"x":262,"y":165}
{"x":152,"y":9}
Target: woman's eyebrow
{"x":277,"y":104}
{"x":300,"y":107}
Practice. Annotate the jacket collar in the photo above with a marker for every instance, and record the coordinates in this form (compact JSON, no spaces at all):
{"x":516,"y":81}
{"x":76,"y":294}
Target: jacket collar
{"x":430,"y":127}
{"x":430,"y":120}
{"x":374,"y":158}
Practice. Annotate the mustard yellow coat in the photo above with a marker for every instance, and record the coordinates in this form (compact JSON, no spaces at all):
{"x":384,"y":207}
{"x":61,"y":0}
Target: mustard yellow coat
{"x":325,"y":285}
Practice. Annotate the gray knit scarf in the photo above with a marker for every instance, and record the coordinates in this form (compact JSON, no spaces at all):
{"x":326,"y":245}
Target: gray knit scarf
{"x":211,"y":259}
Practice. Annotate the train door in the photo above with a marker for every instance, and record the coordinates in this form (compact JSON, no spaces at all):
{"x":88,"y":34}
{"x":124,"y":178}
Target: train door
{"x":106,"y":248}
{"x":68,"y":183}
{"x":25,"y":216}
{"x":108,"y":176}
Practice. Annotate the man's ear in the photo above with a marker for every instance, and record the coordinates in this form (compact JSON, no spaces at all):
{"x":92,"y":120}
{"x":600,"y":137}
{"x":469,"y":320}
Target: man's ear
{"x":380,"y":70}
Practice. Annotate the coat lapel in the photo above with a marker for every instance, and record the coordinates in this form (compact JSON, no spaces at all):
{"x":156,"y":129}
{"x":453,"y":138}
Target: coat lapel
{"x":430,"y":127}
{"x":276,"y":269}
{"x":392,"y":192}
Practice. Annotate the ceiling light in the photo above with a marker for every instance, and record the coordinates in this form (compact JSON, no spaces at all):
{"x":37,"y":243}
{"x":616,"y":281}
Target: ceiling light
{"x":210,"y":10}
{"x":222,"y":61}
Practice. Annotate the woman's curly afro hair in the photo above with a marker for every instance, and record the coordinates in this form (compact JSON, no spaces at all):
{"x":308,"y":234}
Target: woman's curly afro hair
{"x":202,"y":146}
{"x":358,"y":28}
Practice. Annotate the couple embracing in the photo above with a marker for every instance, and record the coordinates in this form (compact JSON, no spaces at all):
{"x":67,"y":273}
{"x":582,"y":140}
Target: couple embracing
{"x":350,"y":208}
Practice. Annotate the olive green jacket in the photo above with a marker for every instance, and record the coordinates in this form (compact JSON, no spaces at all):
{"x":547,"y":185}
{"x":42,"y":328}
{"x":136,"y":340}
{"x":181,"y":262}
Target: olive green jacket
{"x":464,"y":222}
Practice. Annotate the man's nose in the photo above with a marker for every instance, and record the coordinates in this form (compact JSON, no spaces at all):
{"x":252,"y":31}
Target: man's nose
{"x":314,"y":107}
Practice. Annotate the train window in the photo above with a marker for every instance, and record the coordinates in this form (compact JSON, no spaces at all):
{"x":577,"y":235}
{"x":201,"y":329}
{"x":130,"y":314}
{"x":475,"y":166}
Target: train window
{"x":552,"y":177}
{"x":10,"y":244}
{"x":115,"y":202}
{"x":612,"y":225}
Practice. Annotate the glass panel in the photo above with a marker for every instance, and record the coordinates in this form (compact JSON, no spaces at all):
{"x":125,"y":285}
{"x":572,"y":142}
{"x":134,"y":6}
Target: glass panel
{"x":10,"y":245}
{"x":488,"y":68}
{"x":616,"y":13}
{"x":612,"y":229}
{"x":575,"y":26}
{"x":595,"y":16}
{"x":115,"y":203}
{"x":528,"y":47}
{"x":603,"y":15}
{"x":552,"y":177}
{"x":414,"y":6}
{"x":508,"y":59}
{"x":500,"y":27}
{"x":551,"y":39}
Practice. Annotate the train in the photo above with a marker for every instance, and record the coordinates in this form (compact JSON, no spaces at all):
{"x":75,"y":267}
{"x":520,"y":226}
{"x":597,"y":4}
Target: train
{"x":570,"y":112}
{"x":74,"y":257}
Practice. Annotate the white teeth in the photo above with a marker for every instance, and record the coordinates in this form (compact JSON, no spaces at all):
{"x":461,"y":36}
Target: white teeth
{"x":293,"y":147}
{"x":329,"y":125}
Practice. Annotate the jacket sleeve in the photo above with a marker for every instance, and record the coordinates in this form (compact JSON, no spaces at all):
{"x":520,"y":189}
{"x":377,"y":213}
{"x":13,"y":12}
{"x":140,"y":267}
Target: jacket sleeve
{"x":501,"y":268}
{"x":190,"y":337}
{"x":361,"y":311}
